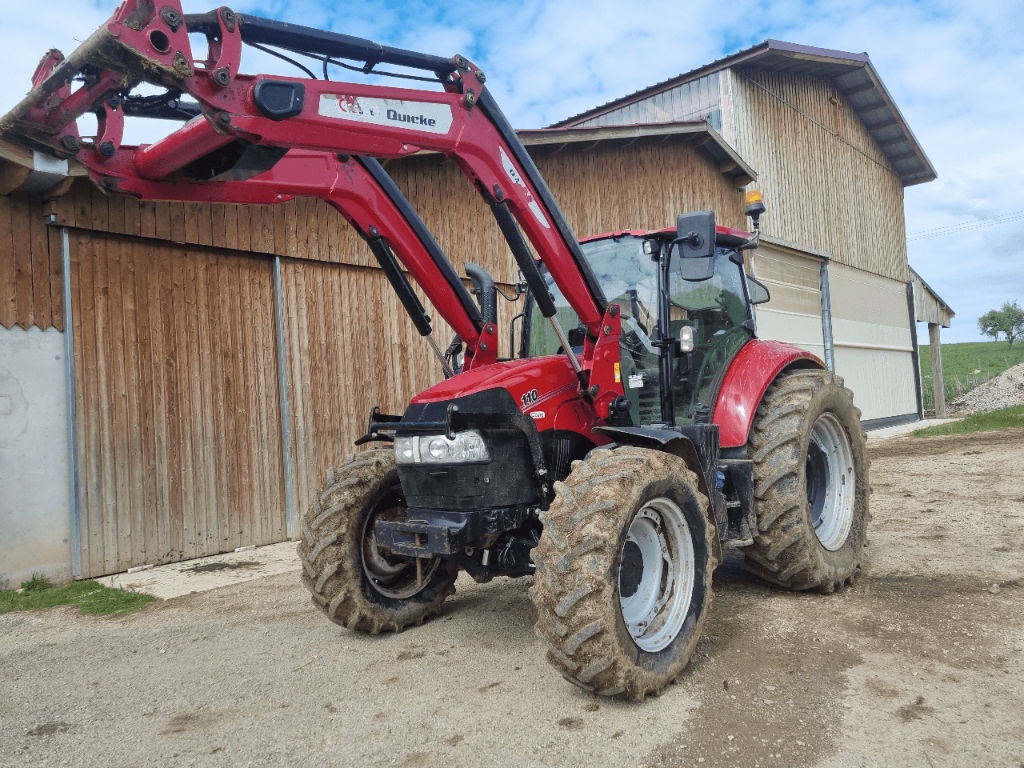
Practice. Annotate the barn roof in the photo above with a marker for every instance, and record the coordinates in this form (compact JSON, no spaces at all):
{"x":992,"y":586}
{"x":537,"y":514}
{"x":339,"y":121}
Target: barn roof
{"x":929,"y":307}
{"x":33,"y":173}
{"x":697,"y":132}
{"x":853,"y":76}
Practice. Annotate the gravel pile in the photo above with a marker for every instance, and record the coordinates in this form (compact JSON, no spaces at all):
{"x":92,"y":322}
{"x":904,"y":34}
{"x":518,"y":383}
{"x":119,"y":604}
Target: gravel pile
{"x":1002,"y":391}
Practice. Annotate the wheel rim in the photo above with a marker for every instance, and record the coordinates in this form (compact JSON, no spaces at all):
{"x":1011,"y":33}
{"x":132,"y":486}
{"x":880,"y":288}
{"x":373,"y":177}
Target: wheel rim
{"x":831,"y":482}
{"x":391,"y":575}
{"x":657,"y":571}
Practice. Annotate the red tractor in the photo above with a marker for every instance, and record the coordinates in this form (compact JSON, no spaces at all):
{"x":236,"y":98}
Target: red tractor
{"x":633,"y":428}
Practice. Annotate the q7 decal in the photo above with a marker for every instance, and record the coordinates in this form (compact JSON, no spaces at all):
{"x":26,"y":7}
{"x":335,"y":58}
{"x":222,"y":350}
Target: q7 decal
{"x":513,"y":174}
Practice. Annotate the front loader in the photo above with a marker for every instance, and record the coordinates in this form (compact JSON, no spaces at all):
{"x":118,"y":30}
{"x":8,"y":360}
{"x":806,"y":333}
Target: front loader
{"x":633,"y":429}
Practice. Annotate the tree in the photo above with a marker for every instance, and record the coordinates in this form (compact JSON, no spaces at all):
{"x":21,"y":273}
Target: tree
{"x":1009,"y":321}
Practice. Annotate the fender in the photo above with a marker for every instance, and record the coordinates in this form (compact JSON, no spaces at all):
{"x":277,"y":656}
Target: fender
{"x":697,"y":446}
{"x":675,"y":442}
{"x":752,"y":371}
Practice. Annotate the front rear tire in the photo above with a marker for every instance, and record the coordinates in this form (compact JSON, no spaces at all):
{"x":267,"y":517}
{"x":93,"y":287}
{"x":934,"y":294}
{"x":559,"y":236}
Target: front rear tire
{"x":810,"y":484}
{"x":624,"y":565}
{"x":356,"y":583}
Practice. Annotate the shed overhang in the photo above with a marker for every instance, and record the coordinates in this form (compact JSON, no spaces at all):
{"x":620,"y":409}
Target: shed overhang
{"x":854,"y":77}
{"x":696,"y":133}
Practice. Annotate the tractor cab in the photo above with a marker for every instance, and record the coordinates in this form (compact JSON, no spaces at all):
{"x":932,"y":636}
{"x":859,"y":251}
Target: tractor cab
{"x":689,"y":319}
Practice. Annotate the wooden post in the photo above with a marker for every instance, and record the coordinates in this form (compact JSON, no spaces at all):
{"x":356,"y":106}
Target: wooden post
{"x":938,"y":385}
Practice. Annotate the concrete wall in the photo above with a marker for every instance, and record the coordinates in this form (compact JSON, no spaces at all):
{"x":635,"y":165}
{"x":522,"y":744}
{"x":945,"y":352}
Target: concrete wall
{"x":35,"y":509}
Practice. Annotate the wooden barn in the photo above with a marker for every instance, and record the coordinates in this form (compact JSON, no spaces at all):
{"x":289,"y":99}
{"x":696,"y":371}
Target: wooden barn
{"x":833,"y":155}
{"x":176,"y":378}
{"x":179,"y":377}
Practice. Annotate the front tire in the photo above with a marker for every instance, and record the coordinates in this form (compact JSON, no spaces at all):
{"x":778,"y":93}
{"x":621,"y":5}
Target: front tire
{"x":624,"y":565}
{"x":810,"y":484}
{"x":352,"y":580}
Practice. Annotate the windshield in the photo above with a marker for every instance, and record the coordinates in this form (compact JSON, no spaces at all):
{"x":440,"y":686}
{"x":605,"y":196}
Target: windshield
{"x":715,"y":309}
{"x":628,"y":277}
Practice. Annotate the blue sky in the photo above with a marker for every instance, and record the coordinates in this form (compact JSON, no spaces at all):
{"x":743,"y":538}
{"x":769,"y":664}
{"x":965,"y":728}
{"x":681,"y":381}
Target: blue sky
{"x":955,"y":70}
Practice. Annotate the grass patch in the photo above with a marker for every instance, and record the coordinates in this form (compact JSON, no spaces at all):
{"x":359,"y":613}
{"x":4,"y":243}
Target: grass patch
{"x":965,"y":366}
{"x":978,"y":422}
{"x":90,"y":597}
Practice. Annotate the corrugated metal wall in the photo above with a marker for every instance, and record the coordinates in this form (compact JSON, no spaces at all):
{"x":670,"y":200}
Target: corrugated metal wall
{"x":874,"y":352}
{"x":794,"y":312}
{"x":869,"y":323}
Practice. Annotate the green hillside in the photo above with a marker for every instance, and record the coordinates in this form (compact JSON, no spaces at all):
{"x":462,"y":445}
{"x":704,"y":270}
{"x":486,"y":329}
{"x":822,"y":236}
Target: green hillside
{"x":965,"y":366}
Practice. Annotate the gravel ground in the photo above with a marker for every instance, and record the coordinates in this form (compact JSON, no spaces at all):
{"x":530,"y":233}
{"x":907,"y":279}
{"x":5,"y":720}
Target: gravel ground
{"x":1002,"y":391}
{"x":921,"y":663}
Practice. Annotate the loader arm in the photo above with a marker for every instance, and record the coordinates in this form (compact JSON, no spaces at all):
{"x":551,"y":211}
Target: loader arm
{"x":367,"y":197}
{"x":145,"y":44}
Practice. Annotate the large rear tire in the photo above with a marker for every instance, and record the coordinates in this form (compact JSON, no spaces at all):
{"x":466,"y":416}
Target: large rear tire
{"x":624,"y":565}
{"x":810,"y":484}
{"x":352,"y":580}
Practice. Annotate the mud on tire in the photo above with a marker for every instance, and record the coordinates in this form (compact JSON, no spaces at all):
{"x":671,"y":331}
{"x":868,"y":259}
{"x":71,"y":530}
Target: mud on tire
{"x":353,"y":581}
{"x":810,"y":484}
{"x":624,"y":565}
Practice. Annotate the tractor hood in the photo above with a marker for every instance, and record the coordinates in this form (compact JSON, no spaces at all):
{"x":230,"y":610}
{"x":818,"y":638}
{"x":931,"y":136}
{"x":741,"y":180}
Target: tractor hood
{"x":531,"y":381}
{"x":540,"y":386}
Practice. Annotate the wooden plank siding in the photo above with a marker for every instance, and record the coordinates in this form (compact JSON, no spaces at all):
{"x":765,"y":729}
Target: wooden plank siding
{"x":303,"y":228}
{"x":350,"y":344}
{"x":826,"y":183}
{"x":455,"y":213}
{"x":30,"y":266}
{"x":176,"y":394}
{"x":351,"y":347}
{"x":641,"y":185}
{"x":179,"y":421}
{"x":607,"y":187}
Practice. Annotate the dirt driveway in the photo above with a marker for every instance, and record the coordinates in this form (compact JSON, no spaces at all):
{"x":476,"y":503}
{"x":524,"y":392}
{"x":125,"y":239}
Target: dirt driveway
{"x":921,"y":663}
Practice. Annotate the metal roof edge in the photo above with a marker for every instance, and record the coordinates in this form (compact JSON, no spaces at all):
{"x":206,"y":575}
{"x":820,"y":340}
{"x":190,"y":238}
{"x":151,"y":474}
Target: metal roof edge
{"x":814,"y":53}
{"x":33,"y":173}
{"x":730,"y":163}
{"x":749,"y":58}
{"x":789,"y":245}
{"x":664,"y":85}
{"x":939,"y":299}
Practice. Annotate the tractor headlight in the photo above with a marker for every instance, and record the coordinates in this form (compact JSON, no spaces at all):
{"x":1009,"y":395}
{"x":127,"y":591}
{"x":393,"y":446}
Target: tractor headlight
{"x":437,"y":448}
{"x":465,"y":448}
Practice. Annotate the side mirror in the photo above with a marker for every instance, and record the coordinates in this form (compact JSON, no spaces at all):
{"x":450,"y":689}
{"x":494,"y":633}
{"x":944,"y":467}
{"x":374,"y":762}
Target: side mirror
{"x":695,"y":236}
{"x":757,"y":291}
